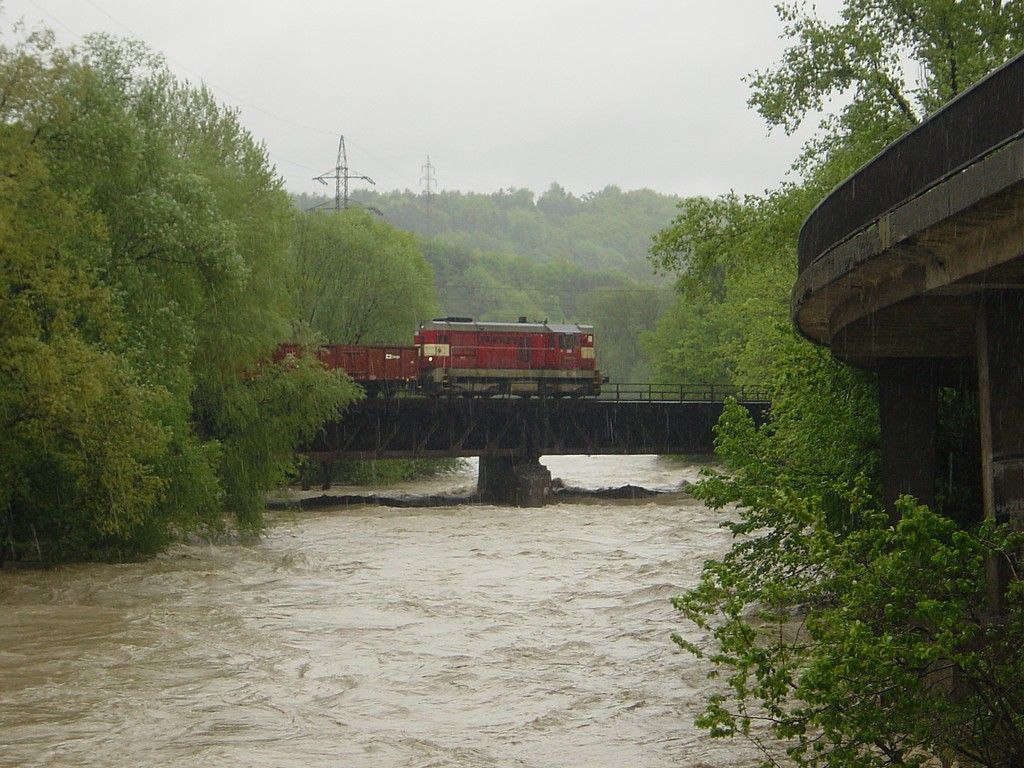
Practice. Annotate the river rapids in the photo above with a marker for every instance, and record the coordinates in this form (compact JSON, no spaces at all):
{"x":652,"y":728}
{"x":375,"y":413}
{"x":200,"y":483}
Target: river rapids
{"x":376,"y":636}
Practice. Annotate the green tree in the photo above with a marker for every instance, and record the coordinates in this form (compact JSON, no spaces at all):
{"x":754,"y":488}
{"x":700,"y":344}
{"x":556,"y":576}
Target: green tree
{"x":358,"y":280}
{"x":732,"y":259}
{"x":144,"y":253}
{"x":76,"y":448}
{"x":620,"y":316}
{"x":864,"y":54}
{"x":891,"y":61}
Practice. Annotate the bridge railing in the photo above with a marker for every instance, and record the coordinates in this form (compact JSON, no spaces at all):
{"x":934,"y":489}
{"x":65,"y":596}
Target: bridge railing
{"x":709,"y":393}
{"x":977,"y":122}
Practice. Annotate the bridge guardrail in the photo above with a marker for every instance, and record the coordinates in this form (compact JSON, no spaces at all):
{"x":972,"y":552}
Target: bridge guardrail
{"x":974,"y":124}
{"x":711,"y":393}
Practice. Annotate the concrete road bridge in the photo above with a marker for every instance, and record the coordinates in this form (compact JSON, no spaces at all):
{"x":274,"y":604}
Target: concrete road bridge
{"x":511,"y":434}
{"x":914,"y":267}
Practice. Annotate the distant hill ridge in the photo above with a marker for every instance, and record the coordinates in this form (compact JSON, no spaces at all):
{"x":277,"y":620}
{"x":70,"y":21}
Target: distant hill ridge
{"x":606,"y":230}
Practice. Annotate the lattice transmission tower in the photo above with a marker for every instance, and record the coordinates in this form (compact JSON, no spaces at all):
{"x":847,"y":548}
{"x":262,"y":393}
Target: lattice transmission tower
{"x":429,"y":182}
{"x":428,"y":179}
{"x":341,"y":174}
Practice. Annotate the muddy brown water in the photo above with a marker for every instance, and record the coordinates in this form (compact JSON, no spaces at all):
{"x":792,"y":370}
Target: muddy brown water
{"x":373,"y":636}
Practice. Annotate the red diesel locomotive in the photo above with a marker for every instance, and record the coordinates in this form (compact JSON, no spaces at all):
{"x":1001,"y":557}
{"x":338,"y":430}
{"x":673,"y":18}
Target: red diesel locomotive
{"x":454,"y":355}
{"x":458,"y":355}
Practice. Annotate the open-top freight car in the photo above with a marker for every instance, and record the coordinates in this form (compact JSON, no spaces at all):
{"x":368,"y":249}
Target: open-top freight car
{"x":460,"y":356}
{"x":380,"y":370}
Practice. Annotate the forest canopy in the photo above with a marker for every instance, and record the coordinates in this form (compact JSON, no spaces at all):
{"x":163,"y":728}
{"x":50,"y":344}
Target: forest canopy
{"x":607,"y":230}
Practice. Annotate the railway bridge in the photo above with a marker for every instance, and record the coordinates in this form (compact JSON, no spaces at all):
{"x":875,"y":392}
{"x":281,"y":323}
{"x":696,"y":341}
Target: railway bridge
{"x":511,"y":434}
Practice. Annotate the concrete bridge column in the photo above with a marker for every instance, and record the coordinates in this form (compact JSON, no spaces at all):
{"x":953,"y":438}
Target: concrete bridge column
{"x":513,"y":481}
{"x":908,"y":407}
{"x":1000,"y":352}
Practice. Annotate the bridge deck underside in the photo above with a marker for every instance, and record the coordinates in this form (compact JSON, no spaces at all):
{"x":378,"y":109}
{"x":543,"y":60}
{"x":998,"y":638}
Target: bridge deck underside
{"x":909,"y":284}
{"x":425,"y":428}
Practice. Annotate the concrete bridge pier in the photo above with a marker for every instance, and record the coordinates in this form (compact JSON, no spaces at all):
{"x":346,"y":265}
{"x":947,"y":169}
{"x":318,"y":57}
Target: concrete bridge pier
{"x":1000,"y":356}
{"x":909,"y":413}
{"x":520,"y":481}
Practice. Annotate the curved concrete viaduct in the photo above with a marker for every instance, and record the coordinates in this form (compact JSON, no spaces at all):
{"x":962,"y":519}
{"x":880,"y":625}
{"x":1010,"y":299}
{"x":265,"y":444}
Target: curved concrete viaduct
{"x":914,"y":267}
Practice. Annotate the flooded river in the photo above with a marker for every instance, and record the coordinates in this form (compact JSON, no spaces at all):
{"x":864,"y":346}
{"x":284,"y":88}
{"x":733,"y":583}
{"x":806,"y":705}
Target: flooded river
{"x":370,"y":636}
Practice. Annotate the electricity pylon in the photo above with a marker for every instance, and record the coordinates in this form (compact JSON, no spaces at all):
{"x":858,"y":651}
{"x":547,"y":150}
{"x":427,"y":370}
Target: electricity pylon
{"x":428,"y":179}
{"x":341,"y":176}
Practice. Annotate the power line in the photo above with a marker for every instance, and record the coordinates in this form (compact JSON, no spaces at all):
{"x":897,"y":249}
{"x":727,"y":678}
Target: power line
{"x":377,"y":158}
{"x":54,"y":18}
{"x":235,"y":99}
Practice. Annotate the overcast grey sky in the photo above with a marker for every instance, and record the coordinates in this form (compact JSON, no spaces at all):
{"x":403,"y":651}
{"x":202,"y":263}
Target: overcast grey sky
{"x":499,"y":93}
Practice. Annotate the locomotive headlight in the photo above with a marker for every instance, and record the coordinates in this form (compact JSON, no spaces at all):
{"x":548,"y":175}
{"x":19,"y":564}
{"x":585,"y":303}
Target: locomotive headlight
{"x":430,"y":359}
{"x":590,"y":339}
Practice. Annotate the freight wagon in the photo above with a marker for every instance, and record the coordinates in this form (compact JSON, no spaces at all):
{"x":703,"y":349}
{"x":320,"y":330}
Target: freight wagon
{"x":380,"y":370}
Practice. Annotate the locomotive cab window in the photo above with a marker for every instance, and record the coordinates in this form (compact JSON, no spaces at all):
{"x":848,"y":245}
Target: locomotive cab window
{"x":568,"y":341}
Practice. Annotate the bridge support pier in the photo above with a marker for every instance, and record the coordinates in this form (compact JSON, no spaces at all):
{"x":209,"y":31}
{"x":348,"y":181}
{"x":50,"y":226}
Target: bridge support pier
{"x":517,"y":482}
{"x":1000,"y":353}
{"x":909,"y":413}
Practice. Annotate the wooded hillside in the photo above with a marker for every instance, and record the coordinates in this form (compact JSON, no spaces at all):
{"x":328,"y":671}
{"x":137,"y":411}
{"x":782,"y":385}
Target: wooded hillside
{"x":561,"y":257}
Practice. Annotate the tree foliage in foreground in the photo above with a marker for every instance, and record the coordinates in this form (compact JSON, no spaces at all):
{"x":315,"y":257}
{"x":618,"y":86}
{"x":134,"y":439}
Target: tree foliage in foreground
{"x":143,"y":241}
{"x":838,"y":638}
